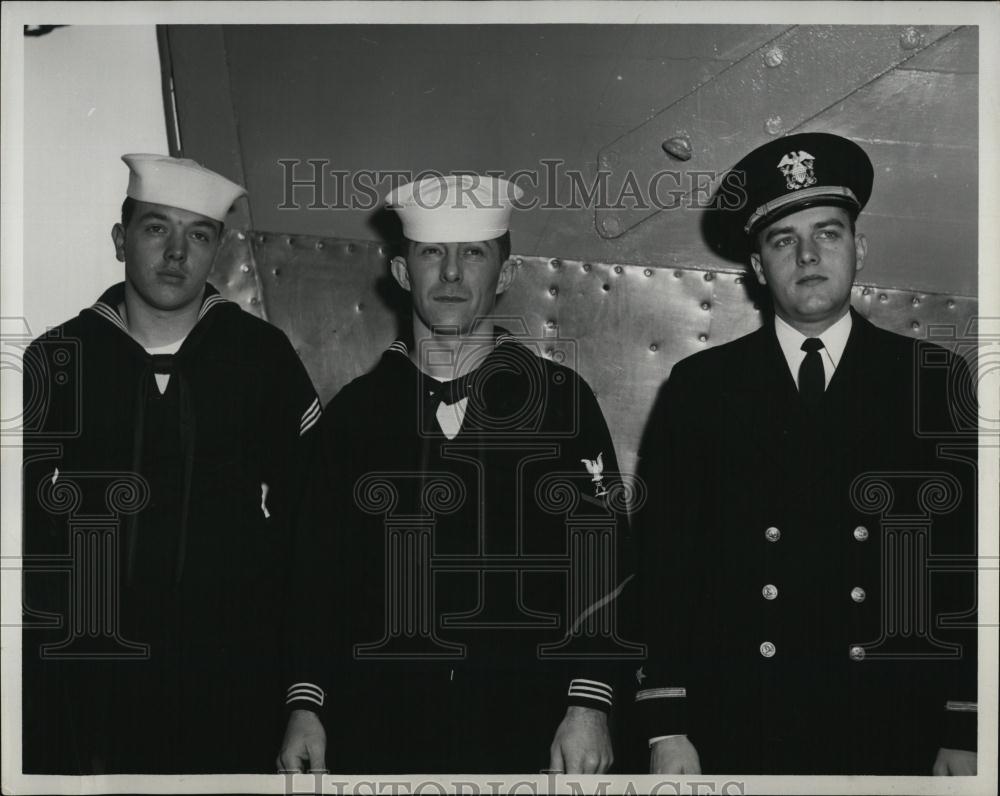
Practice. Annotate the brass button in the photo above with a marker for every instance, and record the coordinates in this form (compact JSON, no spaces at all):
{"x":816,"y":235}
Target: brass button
{"x":772,"y":534}
{"x":861,"y":533}
{"x":767,"y":649}
{"x":857,"y":653}
{"x":858,"y":594}
{"x":770,"y":591}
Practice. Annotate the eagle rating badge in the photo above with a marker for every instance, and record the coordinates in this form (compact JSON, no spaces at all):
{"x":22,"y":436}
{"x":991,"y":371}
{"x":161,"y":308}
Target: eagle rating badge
{"x":596,"y":469}
{"x":797,"y":168}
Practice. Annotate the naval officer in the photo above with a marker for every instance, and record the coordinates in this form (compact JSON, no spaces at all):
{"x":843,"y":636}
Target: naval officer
{"x":784,"y":637}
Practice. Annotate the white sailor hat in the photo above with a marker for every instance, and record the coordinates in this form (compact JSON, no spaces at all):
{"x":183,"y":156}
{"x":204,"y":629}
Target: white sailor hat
{"x":454,"y":209}
{"x":181,"y":183}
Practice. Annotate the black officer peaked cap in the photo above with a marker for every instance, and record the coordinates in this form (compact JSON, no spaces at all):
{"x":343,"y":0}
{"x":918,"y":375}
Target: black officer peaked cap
{"x":800,"y":171}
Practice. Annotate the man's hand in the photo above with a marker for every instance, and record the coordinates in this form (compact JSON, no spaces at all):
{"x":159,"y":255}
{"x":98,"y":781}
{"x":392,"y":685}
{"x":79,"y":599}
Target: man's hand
{"x":304,"y":747}
{"x":955,"y":763}
{"x":674,"y":755}
{"x":582,"y":744}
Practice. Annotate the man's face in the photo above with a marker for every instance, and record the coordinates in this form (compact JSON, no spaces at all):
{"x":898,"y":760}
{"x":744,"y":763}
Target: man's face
{"x":453,"y":284}
{"x":808,"y":260}
{"x":168,"y":253}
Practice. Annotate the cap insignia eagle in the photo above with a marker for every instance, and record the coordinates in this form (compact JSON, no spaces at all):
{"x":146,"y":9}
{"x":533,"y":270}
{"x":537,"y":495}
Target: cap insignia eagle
{"x":797,"y":168}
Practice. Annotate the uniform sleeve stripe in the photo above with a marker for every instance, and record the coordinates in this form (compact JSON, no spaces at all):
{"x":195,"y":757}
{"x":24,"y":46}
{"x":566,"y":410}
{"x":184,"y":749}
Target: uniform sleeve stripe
{"x":595,"y":685}
{"x":304,"y":698}
{"x":961,"y":707}
{"x":306,"y":691}
{"x":660,"y":693}
{"x":584,"y":695}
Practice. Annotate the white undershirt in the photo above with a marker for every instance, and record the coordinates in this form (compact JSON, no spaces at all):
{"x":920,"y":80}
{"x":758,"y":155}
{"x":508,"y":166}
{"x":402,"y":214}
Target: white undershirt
{"x":450,"y":416}
{"x":163,"y":379}
{"x":834,"y":341}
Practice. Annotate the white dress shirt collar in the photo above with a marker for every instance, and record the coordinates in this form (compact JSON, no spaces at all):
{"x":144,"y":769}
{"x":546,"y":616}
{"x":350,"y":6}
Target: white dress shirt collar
{"x":834,"y":342}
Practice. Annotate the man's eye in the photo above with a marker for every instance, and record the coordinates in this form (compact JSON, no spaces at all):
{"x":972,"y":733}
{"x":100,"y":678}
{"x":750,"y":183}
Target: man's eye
{"x":155,"y":228}
{"x":473,"y":251}
{"x":200,"y":237}
{"x":781,"y":243}
{"x":829,"y":234}
{"x":430,"y":251}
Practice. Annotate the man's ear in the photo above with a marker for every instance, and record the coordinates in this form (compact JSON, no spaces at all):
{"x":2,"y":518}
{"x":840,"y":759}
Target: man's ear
{"x":118,"y":238}
{"x":758,"y":268}
{"x":860,"y":250}
{"x":399,"y":272}
{"x":508,"y":272}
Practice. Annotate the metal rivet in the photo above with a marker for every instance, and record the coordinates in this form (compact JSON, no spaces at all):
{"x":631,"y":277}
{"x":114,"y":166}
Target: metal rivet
{"x":519,"y":261}
{"x":858,"y":594}
{"x":361,"y":306}
{"x":289,"y":241}
{"x":774,"y":125}
{"x":861,"y":533}
{"x":866,"y":291}
{"x":319,"y":244}
{"x":261,"y":239}
{"x":774,"y":57}
{"x":911,"y":39}
{"x":915,"y":325}
{"x":738,"y":280}
{"x":618,"y":269}
{"x":612,"y":225}
{"x":951,"y":304}
{"x":770,"y":591}
{"x":772,"y":534}
{"x":767,"y":649}
{"x":703,"y":337}
{"x":915,"y":301}
{"x":678,"y":274}
{"x":678,"y":146}
{"x":254,"y":300}
{"x":857,"y":653}
{"x":276,"y":271}
{"x":550,"y":324}
{"x":709,"y":276}
{"x":350,"y":248}
{"x":883,"y":298}
{"x":756,"y":308}
{"x":553,"y":291}
{"x":241,"y":236}
{"x":648,"y":272}
{"x":555,"y":263}
{"x":653,"y":347}
{"x":705,"y":305}
{"x":605,"y":287}
{"x":586,"y":266}
{"x":245,"y":268}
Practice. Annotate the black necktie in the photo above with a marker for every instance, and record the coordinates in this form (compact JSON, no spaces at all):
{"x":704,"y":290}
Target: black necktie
{"x":812,"y":379}
{"x":450,"y":392}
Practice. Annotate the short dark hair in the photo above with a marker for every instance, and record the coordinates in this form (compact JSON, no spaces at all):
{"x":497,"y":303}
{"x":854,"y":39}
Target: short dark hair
{"x":128,"y":210}
{"x":503,"y":246}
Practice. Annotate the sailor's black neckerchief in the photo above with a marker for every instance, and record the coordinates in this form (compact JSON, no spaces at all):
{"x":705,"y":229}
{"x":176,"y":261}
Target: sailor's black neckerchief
{"x":162,"y":364}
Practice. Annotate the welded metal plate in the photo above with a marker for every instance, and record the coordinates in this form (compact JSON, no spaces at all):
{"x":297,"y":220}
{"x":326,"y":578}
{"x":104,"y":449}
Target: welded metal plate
{"x":622,"y":327}
{"x":776,"y":88}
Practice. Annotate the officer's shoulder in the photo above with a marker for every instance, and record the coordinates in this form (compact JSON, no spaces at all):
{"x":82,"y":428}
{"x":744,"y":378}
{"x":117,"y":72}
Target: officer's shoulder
{"x":718,"y":359}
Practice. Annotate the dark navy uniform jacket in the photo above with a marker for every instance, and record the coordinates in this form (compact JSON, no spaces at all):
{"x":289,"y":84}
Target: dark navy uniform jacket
{"x":458,"y":594}
{"x":808,"y":578}
{"x":163,"y":522}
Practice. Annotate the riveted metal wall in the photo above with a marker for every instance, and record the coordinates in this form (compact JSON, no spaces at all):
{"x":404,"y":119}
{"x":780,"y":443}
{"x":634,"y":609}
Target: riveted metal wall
{"x":510,"y":97}
{"x":620,"y":326}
